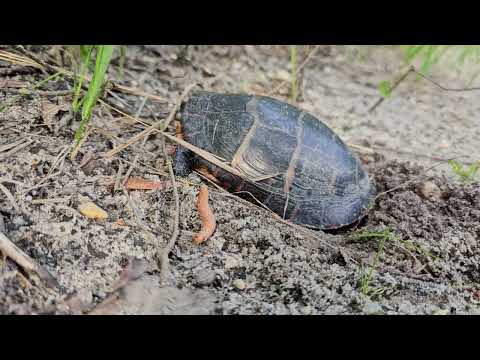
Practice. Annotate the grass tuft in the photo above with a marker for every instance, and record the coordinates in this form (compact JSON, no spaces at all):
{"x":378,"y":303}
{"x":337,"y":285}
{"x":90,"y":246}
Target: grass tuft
{"x":464,"y":173}
{"x":367,"y":275}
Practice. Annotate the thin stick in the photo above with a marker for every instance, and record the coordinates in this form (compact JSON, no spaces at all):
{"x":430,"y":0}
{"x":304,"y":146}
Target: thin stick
{"x":13,"y":58}
{"x":35,"y":58}
{"x":153,"y":127}
{"x":431,"y":157}
{"x":15,"y":149}
{"x":128,"y":90}
{"x":302,"y":65}
{"x":410,"y":70}
{"x":11,"y":145}
{"x":77,"y":147}
{"x":132,"y":166}
{"x":176,"y":219}
{"x":22,"y":91}
{"x":10,"y":198}
{"x":119,"y":88}
{"x":443,"y":87}
{"x":119,"y":175}
{"x":25,"y":261}
{"x":54,"y":69}
{"x":200,"y":152}
{"x":425,"y":77}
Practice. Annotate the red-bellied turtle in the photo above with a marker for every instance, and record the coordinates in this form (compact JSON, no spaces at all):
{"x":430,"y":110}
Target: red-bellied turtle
{"x":289,"y":160}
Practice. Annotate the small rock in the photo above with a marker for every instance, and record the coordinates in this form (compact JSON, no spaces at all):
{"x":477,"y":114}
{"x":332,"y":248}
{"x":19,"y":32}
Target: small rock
{"x":282,"y":75}
{"x":306,"y":310}
{"x":441,"y":312}
{"x":406,"y":308}
{"x":239,"y":284}
{"x":205,"y":277}
{"x":334,"y":310}
{"x":372,"y":308}
{"x":430,"y":190}
{"x":231,"y":262}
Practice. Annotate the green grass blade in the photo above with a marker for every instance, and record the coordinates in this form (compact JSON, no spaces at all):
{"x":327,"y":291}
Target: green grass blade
{"x":102,"y":61}
{"x":85,"y":52}
{"x":412,"y":51}
{"x":83,"y":72}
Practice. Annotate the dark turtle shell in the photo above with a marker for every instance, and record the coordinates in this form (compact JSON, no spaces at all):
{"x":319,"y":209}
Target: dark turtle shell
{"x":292,"y":163}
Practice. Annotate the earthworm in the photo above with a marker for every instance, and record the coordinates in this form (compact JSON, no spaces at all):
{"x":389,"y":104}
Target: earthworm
{"x":206,"y":215}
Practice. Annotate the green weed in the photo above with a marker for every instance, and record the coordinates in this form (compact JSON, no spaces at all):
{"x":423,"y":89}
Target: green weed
{"x":430,"y":55}
{"x":465,"y":173}
{"x":385,"y":88}
{"x":367,"y":275}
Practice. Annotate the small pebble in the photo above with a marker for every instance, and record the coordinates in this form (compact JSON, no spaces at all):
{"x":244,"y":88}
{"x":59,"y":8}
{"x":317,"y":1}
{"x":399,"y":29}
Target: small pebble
{"x":372,"y":308}
{"x":205,"y":277}
{"x":239,"y":284}
{"x":406,"y":308}
{"x":441,"y":312}
{"x":430,"y":190}
{"x":231,"y":262}
{"x":306,"y":310}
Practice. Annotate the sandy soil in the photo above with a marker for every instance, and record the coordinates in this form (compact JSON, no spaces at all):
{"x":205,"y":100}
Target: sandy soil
{"x":253,"y":264}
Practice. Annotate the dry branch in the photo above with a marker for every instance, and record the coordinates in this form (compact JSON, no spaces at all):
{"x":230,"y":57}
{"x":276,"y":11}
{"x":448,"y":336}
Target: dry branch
{"x":9,"y":249}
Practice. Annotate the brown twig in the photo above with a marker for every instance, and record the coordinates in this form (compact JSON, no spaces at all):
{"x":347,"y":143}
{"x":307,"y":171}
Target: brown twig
{"x":26,"y":262}
{"x":10,"y":198}
{"x":16,"y":149}
{"x":23,"y":91}
{"x":443,"y":87}
{"x":200,"y":152}
{"x":176,"y":220}
{"x":132,"y":166}
{"x":128,"y":90}
{"x":412,"y":153}
{"x":77,"y":147}
{"x":410,"y":70}
{"x":153,"y":127}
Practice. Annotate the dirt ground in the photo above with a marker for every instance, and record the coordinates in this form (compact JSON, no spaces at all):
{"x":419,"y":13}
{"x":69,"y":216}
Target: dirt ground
{"x":428,"y":262}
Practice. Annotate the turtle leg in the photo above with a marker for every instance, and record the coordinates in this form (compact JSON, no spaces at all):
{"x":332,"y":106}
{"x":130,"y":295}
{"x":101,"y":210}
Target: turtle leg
{"x":183,"y":162}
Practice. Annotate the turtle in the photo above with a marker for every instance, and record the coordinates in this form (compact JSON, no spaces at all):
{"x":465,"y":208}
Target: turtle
{"x":285,"y":159}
